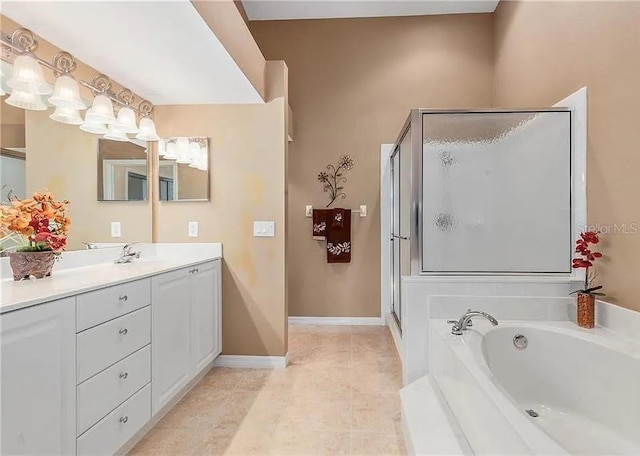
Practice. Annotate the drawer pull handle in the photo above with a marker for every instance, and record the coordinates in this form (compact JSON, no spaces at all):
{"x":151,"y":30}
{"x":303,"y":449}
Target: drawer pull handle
{"x":124,"y":419}
{"x":124,"y":375}
{"x":123,"y":298}
{"x":123,"y":331}
{"x":194,"y":271}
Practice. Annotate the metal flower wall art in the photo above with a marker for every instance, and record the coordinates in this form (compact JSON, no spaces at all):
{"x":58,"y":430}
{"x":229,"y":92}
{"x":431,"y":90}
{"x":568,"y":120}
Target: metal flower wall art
{"x":333,"y":179}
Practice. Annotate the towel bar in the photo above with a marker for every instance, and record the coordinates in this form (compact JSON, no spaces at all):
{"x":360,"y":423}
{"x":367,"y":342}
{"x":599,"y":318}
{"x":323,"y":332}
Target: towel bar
{"x":362,"y":211}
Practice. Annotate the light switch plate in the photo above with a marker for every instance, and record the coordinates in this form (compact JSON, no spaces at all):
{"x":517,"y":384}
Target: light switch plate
{"x":308,"y":210}
{"x":264,"y":229}
{"x":363,"y":210}
{"x":116,"y":229}
{"x":193,"y":229}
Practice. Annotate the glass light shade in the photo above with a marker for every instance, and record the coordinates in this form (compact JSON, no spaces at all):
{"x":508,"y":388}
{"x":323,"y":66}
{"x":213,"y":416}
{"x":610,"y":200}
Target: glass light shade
{"x":115,"y":134}
{"x":127,"y":120}
{"x":171,"y":151}
{"x":28,"y":77}
{"x":162,"y":150}
{"x":147,"y":131}
{"x":194,"y":154}
{"x":101,"y":111}
{"x":182,"y":144}
{"x":26,"y":100}
{"x":66,"y":115}
{"x":93,"y":127}
{"x":66,"y":93}
{"x":2,"y":92}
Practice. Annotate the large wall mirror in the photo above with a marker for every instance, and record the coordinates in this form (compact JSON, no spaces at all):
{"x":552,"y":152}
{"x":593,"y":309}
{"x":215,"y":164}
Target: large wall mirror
{"x":38,"y":153}
{"x":122,"y":170}
{"x":183,"y":169}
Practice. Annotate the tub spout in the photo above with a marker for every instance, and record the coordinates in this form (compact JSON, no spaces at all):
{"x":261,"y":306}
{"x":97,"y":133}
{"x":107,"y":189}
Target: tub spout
{"x":464,"y":321}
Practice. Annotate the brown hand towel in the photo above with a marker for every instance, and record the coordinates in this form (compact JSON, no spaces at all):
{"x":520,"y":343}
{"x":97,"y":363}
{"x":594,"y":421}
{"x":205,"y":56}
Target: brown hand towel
{"x":320,"y":224}
{"x":339,"y":236}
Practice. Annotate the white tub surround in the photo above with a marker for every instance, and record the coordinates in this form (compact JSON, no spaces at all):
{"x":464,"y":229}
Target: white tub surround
{"x":582,"y":383}
{"x":97,"y":353}
{"x":85,"y":270}
{"x":521,"y":298}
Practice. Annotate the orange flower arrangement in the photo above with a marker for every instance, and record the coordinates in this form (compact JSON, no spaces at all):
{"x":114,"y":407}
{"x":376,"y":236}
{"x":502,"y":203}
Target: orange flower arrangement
{"x":40,"y":222}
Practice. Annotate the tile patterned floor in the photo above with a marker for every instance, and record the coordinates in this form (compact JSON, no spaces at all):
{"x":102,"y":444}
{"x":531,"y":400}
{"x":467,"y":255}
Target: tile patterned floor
{"x":339,"y":396}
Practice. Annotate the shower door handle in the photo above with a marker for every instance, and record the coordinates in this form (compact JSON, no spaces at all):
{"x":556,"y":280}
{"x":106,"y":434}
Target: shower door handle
{"x":395,"y":236}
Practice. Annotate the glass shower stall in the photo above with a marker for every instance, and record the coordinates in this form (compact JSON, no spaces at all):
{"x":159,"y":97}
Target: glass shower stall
{"x":481,"y":192}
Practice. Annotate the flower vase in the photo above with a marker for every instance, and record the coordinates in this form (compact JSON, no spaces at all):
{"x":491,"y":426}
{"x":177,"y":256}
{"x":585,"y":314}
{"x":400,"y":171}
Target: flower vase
{"x":586,"y":310}
{"x":31,"y":264}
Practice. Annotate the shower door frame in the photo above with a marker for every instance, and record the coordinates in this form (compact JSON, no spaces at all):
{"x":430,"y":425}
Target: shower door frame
{"x":415,"y":121}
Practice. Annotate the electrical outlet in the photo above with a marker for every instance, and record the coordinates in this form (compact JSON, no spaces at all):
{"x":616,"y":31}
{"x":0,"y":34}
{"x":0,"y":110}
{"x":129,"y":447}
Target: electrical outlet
{"x":116,"y":229}
{"x":193,"y":229}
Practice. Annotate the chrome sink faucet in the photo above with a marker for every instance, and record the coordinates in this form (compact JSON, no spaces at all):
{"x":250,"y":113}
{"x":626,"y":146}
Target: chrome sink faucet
{"x":127,"y":255}
{"x":465,"y":321}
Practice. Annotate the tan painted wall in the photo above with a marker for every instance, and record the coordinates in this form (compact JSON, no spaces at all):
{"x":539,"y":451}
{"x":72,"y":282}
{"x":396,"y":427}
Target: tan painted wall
{"x":64,"y":159}
{"x":247,"y":172}
{"x":547,"y":50}
{"x":352,"y":84}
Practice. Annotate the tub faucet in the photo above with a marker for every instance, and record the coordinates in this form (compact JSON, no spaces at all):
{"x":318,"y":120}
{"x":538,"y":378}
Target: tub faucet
{"x":465,"y":321}
{"x":127,"y":255}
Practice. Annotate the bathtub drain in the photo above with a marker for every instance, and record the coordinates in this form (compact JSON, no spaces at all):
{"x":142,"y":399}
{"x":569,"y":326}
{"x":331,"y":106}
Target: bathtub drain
{"x":532,"y":413}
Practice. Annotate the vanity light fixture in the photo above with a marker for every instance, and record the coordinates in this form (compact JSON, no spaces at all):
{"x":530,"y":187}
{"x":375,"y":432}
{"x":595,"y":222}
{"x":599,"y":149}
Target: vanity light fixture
{"x":2,"y":92}
{"x":27,"y":85}
{"x":162,"y":148}
{"x":171,"y":151}
{"x":26,"y":100}
{"x":183,"y":151}
{"x":114,"y":133}
{"x":28,"y":77}
{"x":147,"y":130}
{"x":126,"y":120}
{"x":93,"y":126}
{"x":68,"y":115}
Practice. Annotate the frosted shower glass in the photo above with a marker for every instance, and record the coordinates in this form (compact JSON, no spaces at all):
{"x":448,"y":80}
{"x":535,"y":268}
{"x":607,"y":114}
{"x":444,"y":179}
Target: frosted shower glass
{"x":496,"y":192}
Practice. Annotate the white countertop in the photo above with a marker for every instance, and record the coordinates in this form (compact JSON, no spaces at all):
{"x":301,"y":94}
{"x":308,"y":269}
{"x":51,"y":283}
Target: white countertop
{"x":88,"y":270}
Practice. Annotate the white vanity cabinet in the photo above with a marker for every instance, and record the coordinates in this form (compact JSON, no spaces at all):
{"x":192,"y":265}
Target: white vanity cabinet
{"x":38,"y":361}
{"x":185,"y":334}
{"x":84,"y":375}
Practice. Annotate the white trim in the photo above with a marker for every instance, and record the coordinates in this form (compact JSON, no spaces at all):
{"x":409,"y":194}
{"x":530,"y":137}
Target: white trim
{"x":385,"y":228}
{"x":577,"y":102}
{"x":353,"y":321}
{"x":395,"y":333}
{"x":248,"y":361}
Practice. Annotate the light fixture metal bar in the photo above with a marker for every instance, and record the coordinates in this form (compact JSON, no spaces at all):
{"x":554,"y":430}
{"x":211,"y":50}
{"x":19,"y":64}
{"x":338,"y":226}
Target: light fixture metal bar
{"x":64,"y":63}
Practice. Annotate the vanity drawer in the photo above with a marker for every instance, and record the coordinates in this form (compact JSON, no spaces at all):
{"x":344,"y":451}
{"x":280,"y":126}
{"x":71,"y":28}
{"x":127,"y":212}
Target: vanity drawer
{"x":111,"y":387}
{"x":106,"y":304}
{"x":108,"y":435}
{"x":108,"y":343}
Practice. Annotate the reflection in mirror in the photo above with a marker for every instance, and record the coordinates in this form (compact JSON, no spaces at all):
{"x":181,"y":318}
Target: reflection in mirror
{"x":122,"y":170}
{"x":12,"y":144}
{"x":184,"y":169}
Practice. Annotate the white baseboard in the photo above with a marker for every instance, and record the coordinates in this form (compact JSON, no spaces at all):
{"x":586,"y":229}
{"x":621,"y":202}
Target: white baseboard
{"x":248,"y":361}
{"x":355,"y":321}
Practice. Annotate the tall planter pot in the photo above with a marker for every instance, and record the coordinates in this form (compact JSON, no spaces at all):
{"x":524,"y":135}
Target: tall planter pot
{"x":31,"y":264}
{"x":586,"y":310}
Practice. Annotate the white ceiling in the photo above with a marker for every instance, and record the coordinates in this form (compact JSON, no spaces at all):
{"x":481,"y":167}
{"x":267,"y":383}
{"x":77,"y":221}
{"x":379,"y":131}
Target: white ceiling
{"x":163,"y":51}
{"x":261,"y":10}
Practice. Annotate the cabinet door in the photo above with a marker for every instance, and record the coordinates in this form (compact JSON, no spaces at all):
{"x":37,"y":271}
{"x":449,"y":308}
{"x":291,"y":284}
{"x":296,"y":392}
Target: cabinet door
{"x":170,"y":335}
{"x":38,"y":360}
{"x":217,"y":305}
{"x":203,"y":291}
